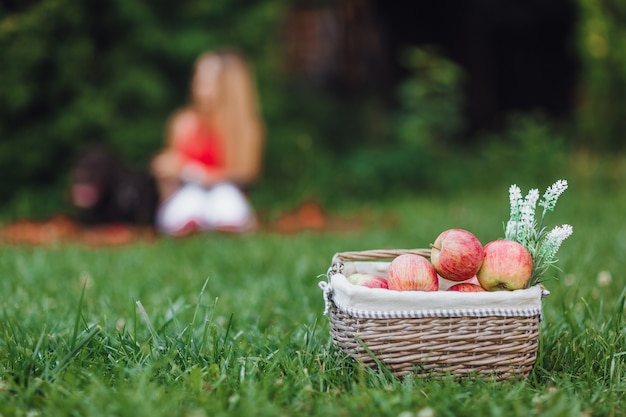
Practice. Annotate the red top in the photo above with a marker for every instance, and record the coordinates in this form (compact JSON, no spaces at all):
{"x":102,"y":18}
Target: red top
{"x":198,"y":142}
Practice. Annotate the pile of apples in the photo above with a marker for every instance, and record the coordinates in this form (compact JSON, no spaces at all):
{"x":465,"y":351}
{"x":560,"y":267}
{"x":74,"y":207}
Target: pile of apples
{"x":457,"y":256}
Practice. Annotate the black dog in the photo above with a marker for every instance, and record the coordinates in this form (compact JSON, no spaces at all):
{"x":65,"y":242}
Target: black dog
{"x":104,"y":190}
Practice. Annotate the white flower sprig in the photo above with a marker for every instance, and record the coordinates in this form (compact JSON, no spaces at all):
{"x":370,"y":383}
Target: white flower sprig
{"x":523,"y":228}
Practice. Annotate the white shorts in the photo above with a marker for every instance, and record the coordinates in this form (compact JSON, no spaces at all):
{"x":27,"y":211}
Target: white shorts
{"x":221,"y":207}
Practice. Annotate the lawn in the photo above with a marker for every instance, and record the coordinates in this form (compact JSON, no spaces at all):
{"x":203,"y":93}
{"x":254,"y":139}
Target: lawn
{"x":221,"y":325}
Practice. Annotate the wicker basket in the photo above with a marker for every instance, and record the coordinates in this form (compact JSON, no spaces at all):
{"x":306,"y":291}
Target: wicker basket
{"x":494,"y":338}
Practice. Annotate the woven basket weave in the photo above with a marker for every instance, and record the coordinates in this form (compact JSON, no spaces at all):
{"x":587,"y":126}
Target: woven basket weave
{"x":496,"y":344}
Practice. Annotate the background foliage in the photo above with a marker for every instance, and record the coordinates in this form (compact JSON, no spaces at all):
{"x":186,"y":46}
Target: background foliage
{"x":74,"y":73}
{"x":600,"y":45}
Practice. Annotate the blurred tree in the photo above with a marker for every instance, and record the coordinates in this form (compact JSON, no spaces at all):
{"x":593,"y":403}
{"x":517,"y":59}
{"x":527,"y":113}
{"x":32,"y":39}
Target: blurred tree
{"x":109,"y":72}
{"x":602,"y":88}
{"x":73,"y":72}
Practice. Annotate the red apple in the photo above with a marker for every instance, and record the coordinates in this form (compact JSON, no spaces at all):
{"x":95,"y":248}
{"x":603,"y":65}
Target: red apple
{"x":456,"y":254}
{"x":507,"y":266}
{"x":466,"y":287}
{"x":409,"y":272}
{"x":368,"y":280}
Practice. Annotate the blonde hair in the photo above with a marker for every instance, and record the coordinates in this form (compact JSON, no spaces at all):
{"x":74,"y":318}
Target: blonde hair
{"x":236,"y":114}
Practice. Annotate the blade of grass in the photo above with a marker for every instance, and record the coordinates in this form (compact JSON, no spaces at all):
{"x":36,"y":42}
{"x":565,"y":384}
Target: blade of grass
{"x":63,"y":363}
{"x":155,"y":336}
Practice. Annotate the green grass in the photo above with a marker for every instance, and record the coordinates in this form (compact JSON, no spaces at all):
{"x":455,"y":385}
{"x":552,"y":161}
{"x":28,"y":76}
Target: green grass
{"x":217,"y":325}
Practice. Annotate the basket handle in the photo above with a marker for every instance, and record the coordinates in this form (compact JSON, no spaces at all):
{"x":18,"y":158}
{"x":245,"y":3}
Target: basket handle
{"x":379,"y":254}
{"x":371,"y":255}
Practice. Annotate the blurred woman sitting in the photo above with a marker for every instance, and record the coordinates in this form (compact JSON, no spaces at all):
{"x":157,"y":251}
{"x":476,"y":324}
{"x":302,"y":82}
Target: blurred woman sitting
{"x":213,"y":151}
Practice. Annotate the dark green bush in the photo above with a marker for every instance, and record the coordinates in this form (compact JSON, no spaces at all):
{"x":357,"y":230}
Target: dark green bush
{"x":601,"y":47}
{"x":424,"y":129}
{"x":111,"y":71}
{"x":531,"y":151}
{"x":79,"y":72}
